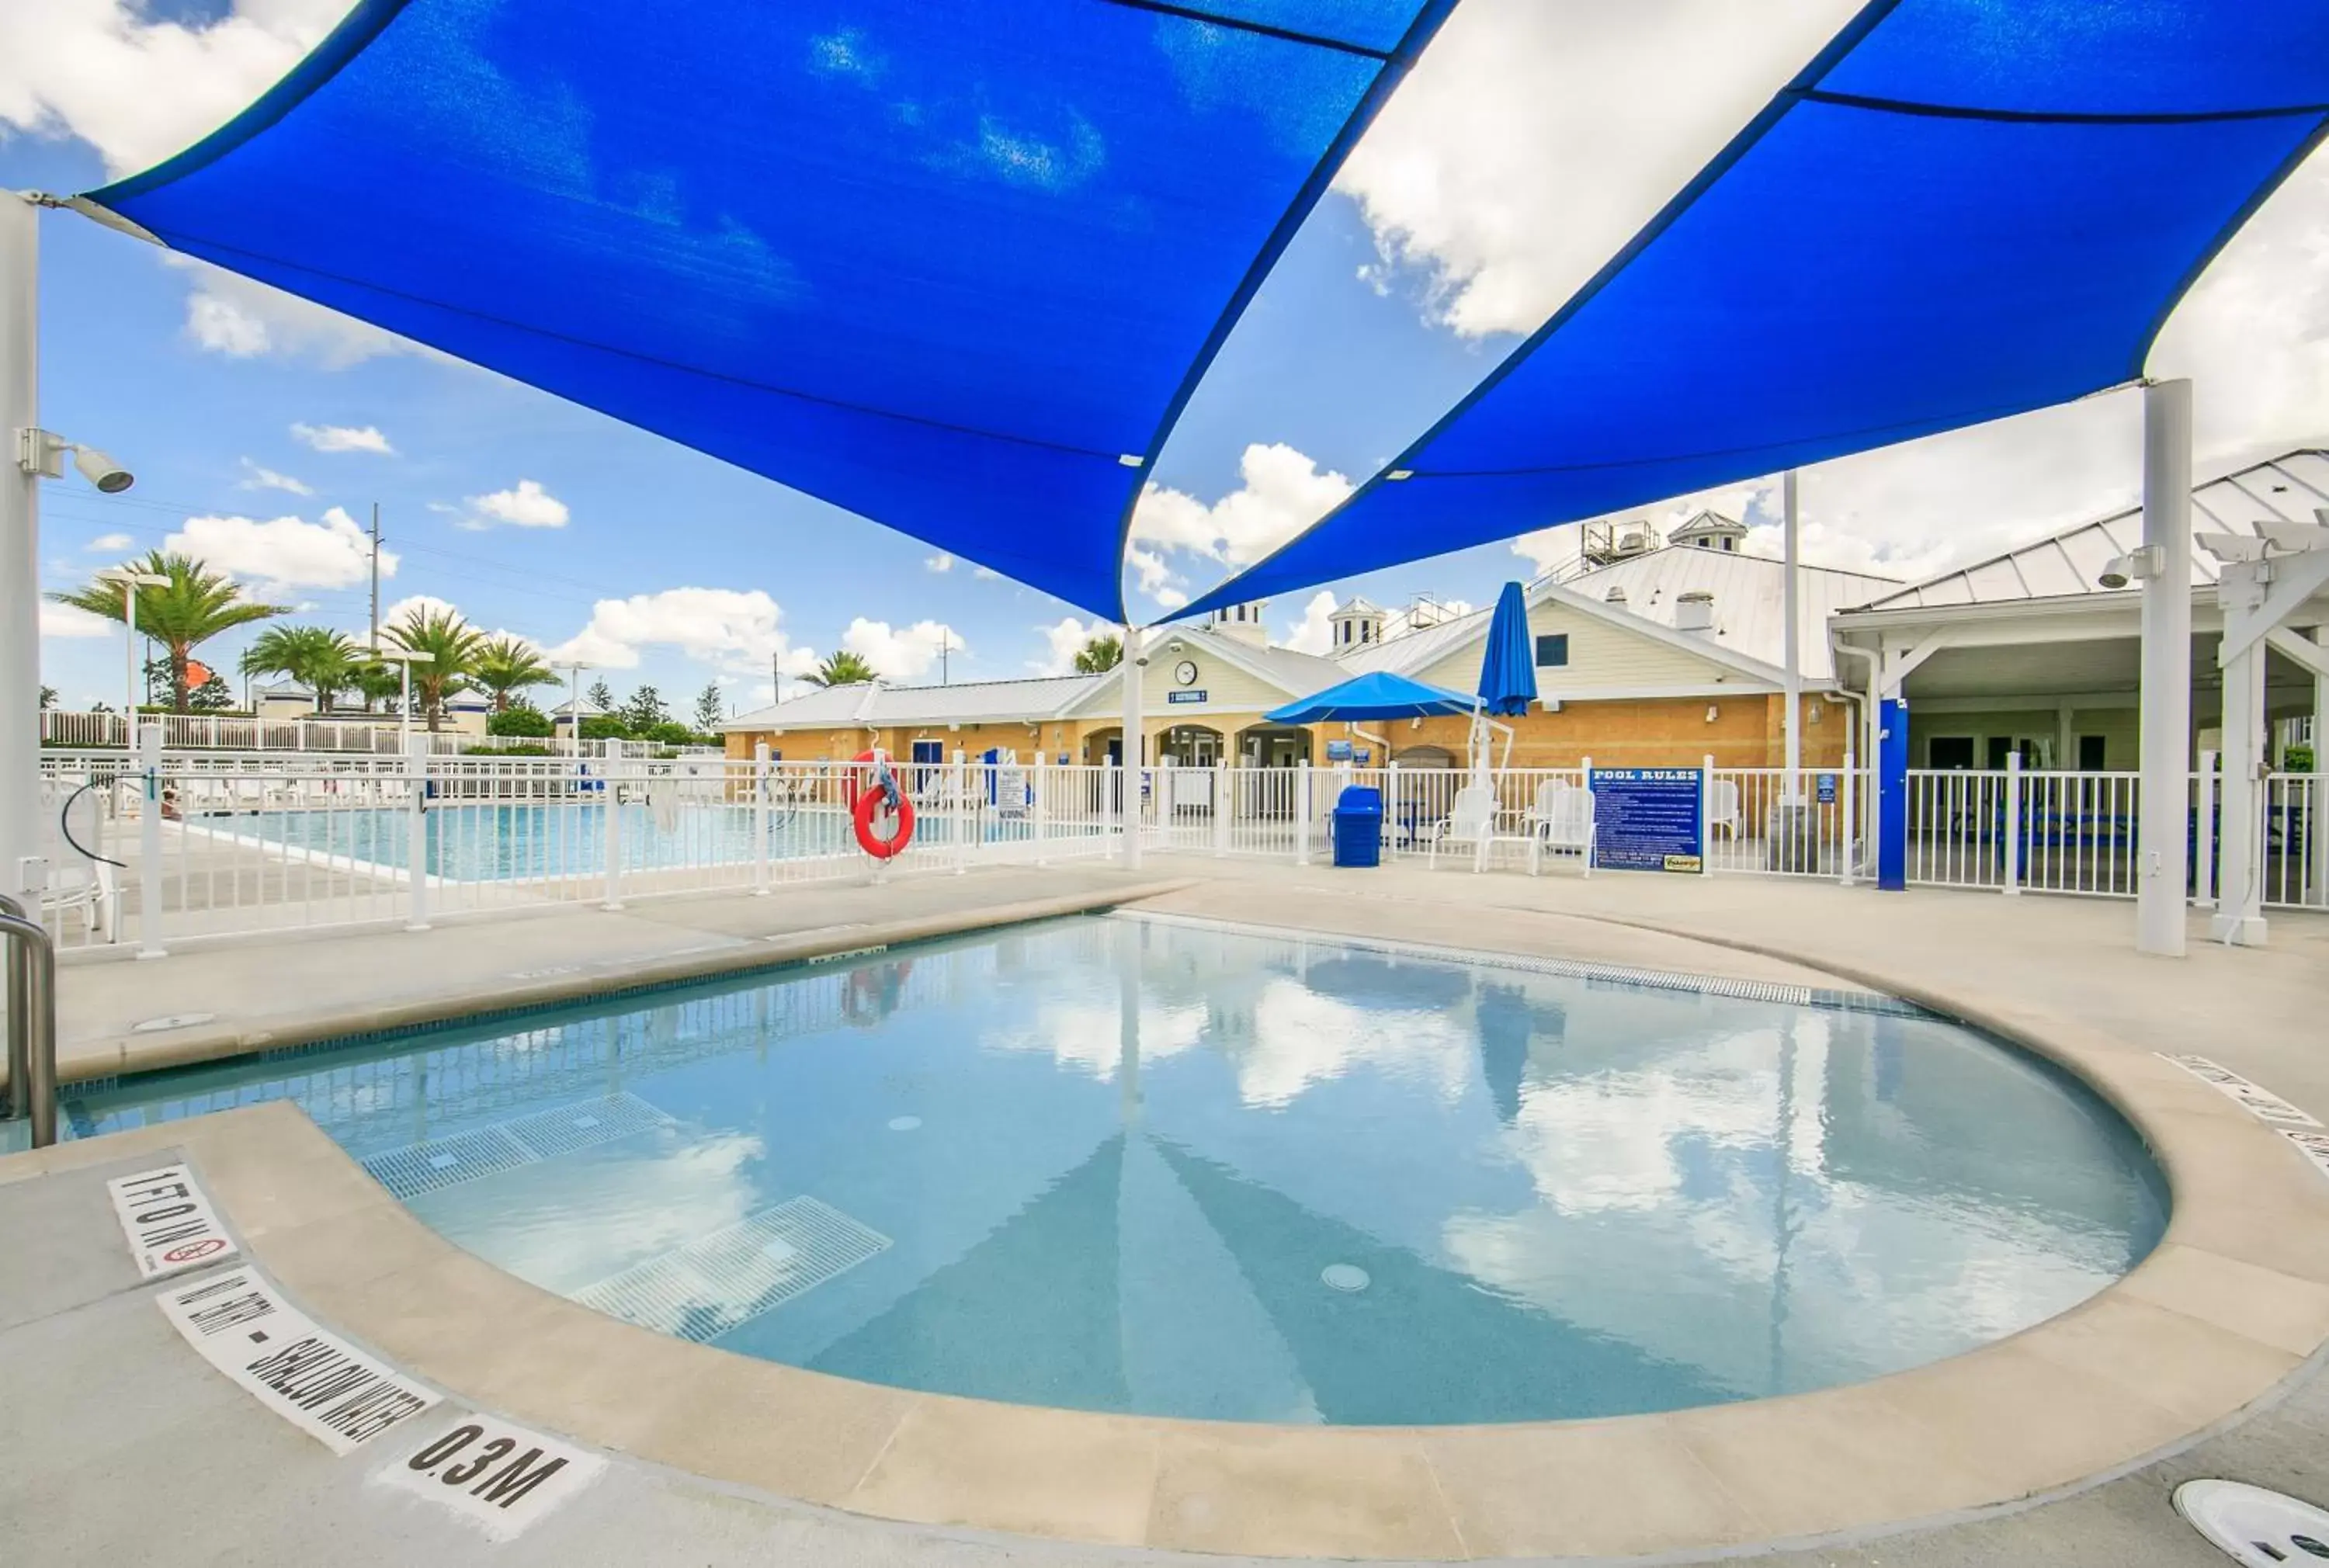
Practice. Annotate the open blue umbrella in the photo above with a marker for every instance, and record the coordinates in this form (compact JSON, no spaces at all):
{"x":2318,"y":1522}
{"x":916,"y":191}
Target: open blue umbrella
{"x":1378,"y":695}
{"x":1508,"y":671}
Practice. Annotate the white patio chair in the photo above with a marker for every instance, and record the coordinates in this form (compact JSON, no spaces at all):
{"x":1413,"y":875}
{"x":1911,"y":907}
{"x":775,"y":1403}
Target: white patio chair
{"x":1722,"y":807}
{"x":1471,"y":822}
{"x":87,"y":887}
{"x":1561,"y":819}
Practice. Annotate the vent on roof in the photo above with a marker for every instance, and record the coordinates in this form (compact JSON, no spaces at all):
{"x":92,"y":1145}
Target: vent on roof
{"x":1614,"y":596}
{"x":1695,"y":612}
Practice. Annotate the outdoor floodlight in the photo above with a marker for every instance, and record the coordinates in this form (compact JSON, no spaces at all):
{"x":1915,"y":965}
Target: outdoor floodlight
{"x":102,"y":471}
{"x":43,"y":452}
{"x":2132,"y":566}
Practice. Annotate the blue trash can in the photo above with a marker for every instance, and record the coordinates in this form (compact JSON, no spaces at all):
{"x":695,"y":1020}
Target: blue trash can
{"x":1358,"y":827}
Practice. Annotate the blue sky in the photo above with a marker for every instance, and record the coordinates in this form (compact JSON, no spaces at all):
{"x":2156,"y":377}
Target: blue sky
{"x":1534,"y":137}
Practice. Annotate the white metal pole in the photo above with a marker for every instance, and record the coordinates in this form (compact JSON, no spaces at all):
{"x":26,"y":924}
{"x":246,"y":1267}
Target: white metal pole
{"x":1705,"y":829}
{"x":416,"y":825}
{"x":2163,"y":820}
{"x":1847,"y":820}
{"x":129,"y":655}
{"x":404,"y":705}
{"x":2316,"y":829}
{"x":1128,"y":781}
{"x":2013,"y":821}
{"x":760,"y":818}
{"x":2203,"y":837}
{"x":22,"y":872}
{"x":1792,"y":661}
{"x":1302,"y":812}
{"x":2239,"y":869}
{"x":149,"y":846}
{"x":610,"y":802}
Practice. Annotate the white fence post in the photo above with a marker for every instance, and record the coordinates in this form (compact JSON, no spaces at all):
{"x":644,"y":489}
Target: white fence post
{"x":2203,"y":835}
{"x":1302,"y":812}
{"x":1848,"y":823}
{"x":416,"y":832}
{"x":2012,"y":827}
{"x":1705,"y":825}
{"x":149,"y":846}
{"x":1221,"y":806}
{"x":1038,"y":805}
{"x":610,"y":802}
{"x":760,"y":818}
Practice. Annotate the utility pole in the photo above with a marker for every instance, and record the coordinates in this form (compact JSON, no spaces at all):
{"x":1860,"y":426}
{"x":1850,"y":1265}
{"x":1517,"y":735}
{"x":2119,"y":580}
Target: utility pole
{"x":375,"y":574}
{"x":946,"y":642}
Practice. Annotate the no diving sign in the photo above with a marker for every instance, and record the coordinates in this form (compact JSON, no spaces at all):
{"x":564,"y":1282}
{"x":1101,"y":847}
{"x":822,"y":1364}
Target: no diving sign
{"x":168,"y":1220}
{"x":500,"y":1477}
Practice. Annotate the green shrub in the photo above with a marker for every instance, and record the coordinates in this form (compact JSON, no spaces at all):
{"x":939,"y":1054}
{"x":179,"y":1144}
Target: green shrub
{"x":529,"y":722}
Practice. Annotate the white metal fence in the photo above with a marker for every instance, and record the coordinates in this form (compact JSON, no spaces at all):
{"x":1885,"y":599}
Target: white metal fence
{"x":72,"y":731}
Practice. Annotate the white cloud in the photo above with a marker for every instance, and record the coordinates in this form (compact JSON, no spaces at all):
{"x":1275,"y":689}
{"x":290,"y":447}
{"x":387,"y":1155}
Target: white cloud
{"x":940,"y":562}
{"x":1281,"y":491}
{"x":106,"y":543}
{"x":284,"y":552}
{"x":730,"y":629}
{"x":1064,"y":639}
{"x":243,"y":319}
{"x":256,"y":477}
{"x":905,"y":653}
{"x":1314,"y":634}
{"x":412,"y":606}
{"x":72,"y":621}
{"x":343,"y":438}
{"x":529,"y":505}
{"x":1537,"y":135}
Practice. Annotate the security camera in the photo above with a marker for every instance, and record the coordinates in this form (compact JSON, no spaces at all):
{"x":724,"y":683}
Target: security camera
{"x":101,"y":470}
{"x":1140,"y":660}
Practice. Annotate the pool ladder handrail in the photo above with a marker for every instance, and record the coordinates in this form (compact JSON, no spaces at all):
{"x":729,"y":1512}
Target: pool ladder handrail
{"x":32,"y":962}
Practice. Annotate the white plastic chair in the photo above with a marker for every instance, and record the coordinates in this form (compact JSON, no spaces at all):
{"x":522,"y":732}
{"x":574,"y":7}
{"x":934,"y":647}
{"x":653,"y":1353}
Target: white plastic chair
{"x":1722,"y":806}
{"x":1471,"y":820}
{"x":1561,"y":819}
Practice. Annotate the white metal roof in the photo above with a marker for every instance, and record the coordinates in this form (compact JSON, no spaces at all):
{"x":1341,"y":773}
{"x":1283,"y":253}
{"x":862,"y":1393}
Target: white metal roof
{"x":1749,"y":608}
{"x":881,"y":707}
{"x":2287,"y":488}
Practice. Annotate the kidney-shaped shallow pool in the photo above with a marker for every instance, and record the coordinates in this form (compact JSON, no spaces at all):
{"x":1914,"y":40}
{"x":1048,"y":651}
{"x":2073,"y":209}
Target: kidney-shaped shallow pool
{"x":1132,"y":1164}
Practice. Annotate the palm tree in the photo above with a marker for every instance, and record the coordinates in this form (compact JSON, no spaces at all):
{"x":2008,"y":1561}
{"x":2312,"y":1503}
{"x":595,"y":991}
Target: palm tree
{"x":1098,"y":653}
{"x":843,"y":669}
{"x":505,"y":664}
{"x":323,"y":660}
{"x":452,"y":645}
{"x":194,"y":606}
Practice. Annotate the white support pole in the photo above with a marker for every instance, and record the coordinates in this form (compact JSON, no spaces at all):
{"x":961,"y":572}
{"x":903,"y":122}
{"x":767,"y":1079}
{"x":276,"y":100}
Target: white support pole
{"x":760,"y":782}
{"x":416,"y":827}
{"x":2240,"y":888}
{"x":2012,"y":827}
{"x":1039,"y":806}
{"x":1302,"y":812}
{"x":1128,"y":779}
{"x":2203,"y":835}
{"x":1221,"y":806}
{"x":1791,"y":660}
{"x":610,"y":803}
{"x":149,"y":845}
{"x":1847,"y":822}
{"x":2163,"y":820}
{"x":1705,"y":829}
{"x":2316,"y":829}
{"x":23,"y":874}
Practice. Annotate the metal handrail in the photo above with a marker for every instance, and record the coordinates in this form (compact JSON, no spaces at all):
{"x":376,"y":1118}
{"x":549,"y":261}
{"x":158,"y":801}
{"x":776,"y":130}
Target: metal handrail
{"x":32,"y":1020}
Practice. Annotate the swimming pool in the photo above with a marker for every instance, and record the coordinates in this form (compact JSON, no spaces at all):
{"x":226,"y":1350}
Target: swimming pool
{"x":467,"y":841}
{"x":1134,"y":1164}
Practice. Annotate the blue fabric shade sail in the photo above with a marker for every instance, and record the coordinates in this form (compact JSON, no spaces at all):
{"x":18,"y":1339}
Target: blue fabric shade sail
{"x":1963,"y":209}
{"x":1377,"y":696}
{"x":954,"y":265}
{"x":1508,"y":666}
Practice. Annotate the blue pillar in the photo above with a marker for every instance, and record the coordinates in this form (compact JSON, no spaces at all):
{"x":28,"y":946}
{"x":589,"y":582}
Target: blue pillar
{"x":1892,"y":796}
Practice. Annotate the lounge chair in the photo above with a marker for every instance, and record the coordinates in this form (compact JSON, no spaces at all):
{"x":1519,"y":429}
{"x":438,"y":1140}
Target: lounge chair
{"x":1561,"y":819}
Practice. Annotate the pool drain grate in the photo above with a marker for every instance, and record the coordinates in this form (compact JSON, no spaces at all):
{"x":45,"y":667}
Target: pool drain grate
{"x":441,"y":1162}
{"x":715,"y":1283}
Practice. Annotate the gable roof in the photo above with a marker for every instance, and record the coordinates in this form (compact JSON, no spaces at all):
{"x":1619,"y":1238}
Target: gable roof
{"x":1749,"y":610}
{"x":2066,"y":564}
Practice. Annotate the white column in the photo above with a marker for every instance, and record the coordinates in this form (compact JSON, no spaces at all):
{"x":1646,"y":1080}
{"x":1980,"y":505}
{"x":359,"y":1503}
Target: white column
{"x":2239,"y":884}
{"x":416,"y":827}
{"x":2316,"y":829}
{"x":22,"y":873}
{"x":760,"y":782}
{"x":2013,"y":821}
{"x":2164,"y":810}
{"x":1128,"y":780}
{"x":1792,"y":661}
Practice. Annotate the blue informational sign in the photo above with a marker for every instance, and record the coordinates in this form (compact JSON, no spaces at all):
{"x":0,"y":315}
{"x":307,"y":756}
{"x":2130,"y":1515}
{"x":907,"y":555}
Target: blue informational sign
{"x":1184,"y":696}
{"x":1827,"y":789}
{"x":1647,"y":819}
{"x":1338,"y":751}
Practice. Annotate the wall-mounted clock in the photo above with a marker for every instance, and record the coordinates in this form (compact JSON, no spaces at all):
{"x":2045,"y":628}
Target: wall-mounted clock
{"x":1185,"y":673}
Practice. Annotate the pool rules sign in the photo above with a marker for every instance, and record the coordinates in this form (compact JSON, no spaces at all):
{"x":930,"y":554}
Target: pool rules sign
{"x":1648,"y":819}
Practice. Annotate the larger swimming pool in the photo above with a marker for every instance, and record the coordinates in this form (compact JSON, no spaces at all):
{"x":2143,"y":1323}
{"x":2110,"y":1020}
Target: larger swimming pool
{"x":1131,"y":1164}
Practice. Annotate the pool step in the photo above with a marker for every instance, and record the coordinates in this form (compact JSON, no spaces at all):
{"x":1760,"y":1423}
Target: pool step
{"x":441,"y":1162}
{"x":715,"y":1283}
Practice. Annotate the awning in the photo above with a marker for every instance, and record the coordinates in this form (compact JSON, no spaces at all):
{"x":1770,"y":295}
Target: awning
{"x":952,"y":266}
{"x":1962,"y":209}
{"x":1377,"y":696}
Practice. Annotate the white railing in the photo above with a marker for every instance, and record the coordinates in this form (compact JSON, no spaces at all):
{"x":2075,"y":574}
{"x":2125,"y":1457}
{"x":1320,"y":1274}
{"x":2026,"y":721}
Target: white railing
{"x":2014,"y":830}
{"x":2295,"y":863}
{"x":1758,"y":821}
{"x":223,"y":843}
{"x":243,"y":733}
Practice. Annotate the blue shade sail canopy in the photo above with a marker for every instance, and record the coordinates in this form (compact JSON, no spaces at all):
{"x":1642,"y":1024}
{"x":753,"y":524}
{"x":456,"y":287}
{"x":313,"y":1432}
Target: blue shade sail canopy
{"x":953,"y":265}
{"x":1376,"y":696}
{"x":1961,"y":210}
{"x":1508,"y":667}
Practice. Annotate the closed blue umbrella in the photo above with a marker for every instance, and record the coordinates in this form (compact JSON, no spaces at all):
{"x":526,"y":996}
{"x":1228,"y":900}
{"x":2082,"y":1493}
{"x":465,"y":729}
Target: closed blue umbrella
{"x":1508,"y":672}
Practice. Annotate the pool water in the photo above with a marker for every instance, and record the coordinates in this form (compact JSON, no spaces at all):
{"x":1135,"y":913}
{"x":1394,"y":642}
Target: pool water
{"x":493,"y":843}
{"x":1140,"y":1165}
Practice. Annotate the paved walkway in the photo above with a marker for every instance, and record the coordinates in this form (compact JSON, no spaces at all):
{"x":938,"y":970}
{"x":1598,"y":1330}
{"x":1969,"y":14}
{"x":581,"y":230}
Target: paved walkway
{"x":117,"y":1445}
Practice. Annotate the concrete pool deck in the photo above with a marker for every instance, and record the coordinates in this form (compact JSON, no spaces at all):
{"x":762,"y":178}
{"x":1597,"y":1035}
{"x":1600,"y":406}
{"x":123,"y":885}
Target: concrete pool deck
{"x":2226,"y":1314}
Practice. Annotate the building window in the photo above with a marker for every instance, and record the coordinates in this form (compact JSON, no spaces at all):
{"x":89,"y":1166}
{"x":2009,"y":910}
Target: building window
{"x":1949,"y":751}
{"x":1552,"y":650}
{"x":2092,"y":751}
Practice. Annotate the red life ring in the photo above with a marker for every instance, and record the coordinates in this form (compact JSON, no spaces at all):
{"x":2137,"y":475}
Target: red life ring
{"x":859,"y":777}
{"x":867,"y":806}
